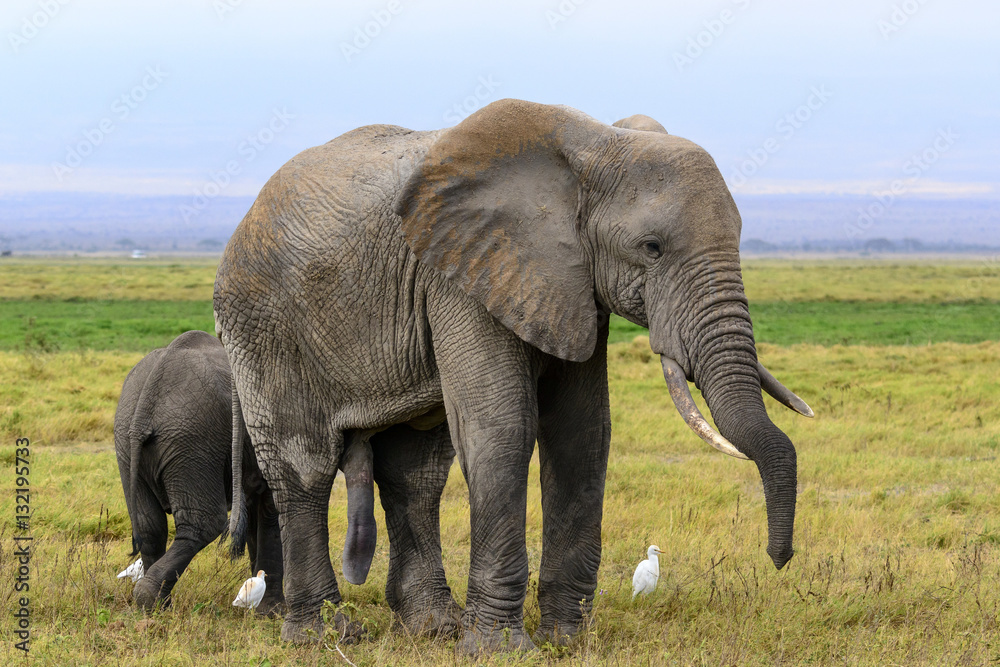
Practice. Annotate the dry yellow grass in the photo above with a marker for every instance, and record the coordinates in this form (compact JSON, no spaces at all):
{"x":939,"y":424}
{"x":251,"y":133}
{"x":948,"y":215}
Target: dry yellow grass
{"x":62,"y":278}
{"x":897,"y":530}
{"x":907,"y":279}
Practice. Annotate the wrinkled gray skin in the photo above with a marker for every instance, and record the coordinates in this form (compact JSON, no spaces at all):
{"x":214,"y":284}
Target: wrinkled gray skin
{"x":390,"y":273}
{"x":173,"y":434}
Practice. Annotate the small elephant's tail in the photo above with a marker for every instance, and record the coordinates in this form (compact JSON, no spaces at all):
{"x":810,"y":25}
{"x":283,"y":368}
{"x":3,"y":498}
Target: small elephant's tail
{"x":135,"y":441}
{"x":139,"y":431}
{"x":237,"y":529}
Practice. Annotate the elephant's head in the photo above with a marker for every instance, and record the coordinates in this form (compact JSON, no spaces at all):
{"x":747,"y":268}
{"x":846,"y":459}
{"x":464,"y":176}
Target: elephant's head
{"x":547,"y":216}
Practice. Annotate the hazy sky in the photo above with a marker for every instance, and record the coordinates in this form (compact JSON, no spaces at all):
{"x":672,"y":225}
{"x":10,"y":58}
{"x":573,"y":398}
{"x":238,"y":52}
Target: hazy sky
{"x":165,"y":97}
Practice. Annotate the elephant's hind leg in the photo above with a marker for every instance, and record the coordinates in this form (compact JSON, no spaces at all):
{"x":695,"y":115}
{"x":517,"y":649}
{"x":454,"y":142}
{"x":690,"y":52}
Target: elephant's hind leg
{"x":411,"y":469}
{"x":151,"y":526}
{"x":299,"y":470}
{"x":194,"y":531}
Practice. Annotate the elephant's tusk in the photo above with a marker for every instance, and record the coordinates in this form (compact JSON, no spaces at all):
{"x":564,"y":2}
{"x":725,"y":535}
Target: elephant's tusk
{"x":781,"y":393}
{"x":681,"y":395}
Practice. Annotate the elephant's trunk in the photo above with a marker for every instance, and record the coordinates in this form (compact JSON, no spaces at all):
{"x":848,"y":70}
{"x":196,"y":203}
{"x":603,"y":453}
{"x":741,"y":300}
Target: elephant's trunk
{"x":359,"y":544}
{"x":748,"y":427}
{"x":721,"y":357}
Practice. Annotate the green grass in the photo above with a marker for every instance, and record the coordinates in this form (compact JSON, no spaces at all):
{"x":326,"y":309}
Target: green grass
{"x":99,"y":325}
{"x":144,"y":325}
{"x":120,"y":305}
{"x":859,"y":323}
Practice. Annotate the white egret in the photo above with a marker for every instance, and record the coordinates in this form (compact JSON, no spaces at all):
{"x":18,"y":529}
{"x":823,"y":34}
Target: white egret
{"x":251,"y":592}
{"x":133,"y":571}
{"x":647,"y":573}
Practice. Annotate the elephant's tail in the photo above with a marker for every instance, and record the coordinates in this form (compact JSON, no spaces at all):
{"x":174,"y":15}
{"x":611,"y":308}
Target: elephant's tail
{"x":237,"y":529}
{"x":139,"y":431}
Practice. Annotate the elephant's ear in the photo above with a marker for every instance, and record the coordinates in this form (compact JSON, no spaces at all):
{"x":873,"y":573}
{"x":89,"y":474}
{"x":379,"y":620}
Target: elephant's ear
{"x":640,"y":122}
{"x":494,"y":206}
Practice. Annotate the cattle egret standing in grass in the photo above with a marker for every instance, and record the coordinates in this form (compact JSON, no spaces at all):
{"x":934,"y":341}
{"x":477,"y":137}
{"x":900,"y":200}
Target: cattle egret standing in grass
{"x":251,"y":592}
{"x":647,"y":573}
{"x":133,"y":571}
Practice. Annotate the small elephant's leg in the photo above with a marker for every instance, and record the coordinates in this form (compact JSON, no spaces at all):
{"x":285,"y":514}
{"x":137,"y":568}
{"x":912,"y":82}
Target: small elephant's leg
{"x":573,"y":443}
{"x":194,"y":531}
{"x":151,"y":526}
{"x":411,"y":468}
{"x":265,"y":553}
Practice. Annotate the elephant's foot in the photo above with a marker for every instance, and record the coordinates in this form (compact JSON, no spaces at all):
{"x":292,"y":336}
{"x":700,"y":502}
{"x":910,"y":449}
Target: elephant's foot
{"x":272,"y":606}
{"x":556,"y":633}
{"x":351,"y":632}
{"x":307,"y":631}
{"x":312,"y":631}
{"x":147,"y":595}
{"x":477,"y":640}
{"x":441,"y":622}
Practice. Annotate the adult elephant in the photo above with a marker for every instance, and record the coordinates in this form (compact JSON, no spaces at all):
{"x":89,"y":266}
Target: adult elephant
{"x":173,"y":433}
{"x":390,"y":278}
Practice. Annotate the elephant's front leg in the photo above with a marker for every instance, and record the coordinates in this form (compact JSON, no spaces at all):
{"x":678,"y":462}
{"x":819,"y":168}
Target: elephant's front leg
{"x":495,"y":453}
{"x":573,"y":442}
{"x":411,"y":469}
{"x":492,"y":413}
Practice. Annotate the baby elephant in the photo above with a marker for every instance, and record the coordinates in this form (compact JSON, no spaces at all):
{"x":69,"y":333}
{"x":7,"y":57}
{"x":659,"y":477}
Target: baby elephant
{"x":173,"y":440}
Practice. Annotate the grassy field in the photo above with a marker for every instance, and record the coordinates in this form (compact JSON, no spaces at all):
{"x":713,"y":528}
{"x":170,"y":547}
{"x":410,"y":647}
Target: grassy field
{"x":897,"y":531}
{"x":136,"y":306}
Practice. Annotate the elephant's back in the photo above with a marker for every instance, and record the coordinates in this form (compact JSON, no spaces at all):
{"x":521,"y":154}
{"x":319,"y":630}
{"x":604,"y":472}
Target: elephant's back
{"x":319,"y":270}
{"x":193,"y":394}
{"x":128,"y":400}
{"x":323,"y":202}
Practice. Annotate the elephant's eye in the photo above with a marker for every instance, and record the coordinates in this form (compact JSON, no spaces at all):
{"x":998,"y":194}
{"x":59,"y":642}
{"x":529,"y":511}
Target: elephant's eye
{"x":652,"y":249}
